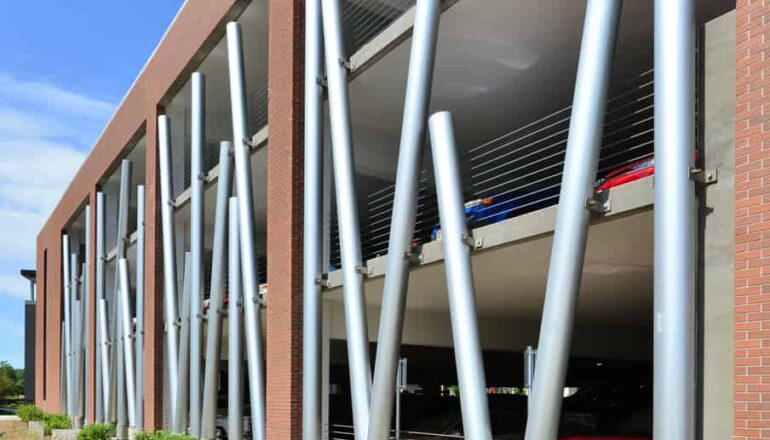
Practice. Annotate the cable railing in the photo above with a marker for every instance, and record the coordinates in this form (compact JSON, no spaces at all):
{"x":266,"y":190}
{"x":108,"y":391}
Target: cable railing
{"x":521,"y":170}
{"x":362,"y":20}
{"x":256,"y":112}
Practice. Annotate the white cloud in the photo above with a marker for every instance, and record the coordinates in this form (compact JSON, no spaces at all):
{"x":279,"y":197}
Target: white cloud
{"x":45,"y":131}
{"x":14,"y":286}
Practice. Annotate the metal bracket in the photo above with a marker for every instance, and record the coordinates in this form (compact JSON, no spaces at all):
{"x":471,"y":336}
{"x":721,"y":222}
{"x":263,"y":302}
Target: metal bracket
{"x":321,"y":81}
{"x":598,"y":205}
{"x":203,"y":178}
{"x":348,"y":65}
{"x":322,"y":281}
{"x":365,"y":271}
{"x":473,"y":243}
{"x":704,"y":177}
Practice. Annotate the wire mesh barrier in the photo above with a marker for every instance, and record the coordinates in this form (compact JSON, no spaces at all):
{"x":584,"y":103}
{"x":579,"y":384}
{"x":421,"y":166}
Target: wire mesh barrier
{"x":519,"y":171}
{"x":364,"y":19}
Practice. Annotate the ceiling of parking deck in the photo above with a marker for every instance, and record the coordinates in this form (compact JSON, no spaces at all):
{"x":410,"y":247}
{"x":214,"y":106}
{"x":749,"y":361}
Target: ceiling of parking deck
{"x":510,"y":280}
{"x":499,"y":65}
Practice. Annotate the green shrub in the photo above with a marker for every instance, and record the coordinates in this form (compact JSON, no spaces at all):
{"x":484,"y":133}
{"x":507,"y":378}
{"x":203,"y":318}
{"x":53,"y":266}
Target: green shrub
{"x":97,"y":431}
{"x":55,"y":421}
{"x":162,"y":435}
{"x":28,"y":412}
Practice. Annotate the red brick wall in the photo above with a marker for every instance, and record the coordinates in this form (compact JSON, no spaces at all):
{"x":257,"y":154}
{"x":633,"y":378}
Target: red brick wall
{"x":752,"y":221}
{"x":284,"y":220}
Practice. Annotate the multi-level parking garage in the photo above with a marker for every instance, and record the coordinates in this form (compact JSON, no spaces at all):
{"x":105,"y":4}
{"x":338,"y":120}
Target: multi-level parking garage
{"x":507,"y":73}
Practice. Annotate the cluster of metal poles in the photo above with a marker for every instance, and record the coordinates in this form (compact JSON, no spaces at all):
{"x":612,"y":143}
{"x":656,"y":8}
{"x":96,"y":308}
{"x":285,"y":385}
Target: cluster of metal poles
{"x":193,"y":379}
{"x":372,"y":402}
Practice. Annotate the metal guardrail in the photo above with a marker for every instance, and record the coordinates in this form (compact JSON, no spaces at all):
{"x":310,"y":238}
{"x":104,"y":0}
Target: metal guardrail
{"x":520,"y":170}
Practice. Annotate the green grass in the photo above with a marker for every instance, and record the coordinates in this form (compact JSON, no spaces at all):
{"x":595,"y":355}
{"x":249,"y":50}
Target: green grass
{"x":162,"y":435}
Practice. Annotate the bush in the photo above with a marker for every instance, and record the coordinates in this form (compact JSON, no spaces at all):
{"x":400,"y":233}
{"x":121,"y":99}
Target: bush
{"x":55,"y":421}
{"x":163,"y":435}
{"x":28,"y":412}
{"x":97,"y":431}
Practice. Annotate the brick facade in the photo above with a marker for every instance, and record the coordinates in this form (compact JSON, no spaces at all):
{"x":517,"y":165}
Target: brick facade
{"x":752,"y":221}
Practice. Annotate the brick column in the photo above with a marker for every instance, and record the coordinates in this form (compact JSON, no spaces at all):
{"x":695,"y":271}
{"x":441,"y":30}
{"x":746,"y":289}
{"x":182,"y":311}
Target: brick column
{"x":752,"y":221}
{"x":284,"y":220}
{"x":90,"y":370}
{"x":153,"y":284}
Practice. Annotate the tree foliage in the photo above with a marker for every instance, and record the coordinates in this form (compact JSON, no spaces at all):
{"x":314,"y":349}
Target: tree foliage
{"x":11,"y":381}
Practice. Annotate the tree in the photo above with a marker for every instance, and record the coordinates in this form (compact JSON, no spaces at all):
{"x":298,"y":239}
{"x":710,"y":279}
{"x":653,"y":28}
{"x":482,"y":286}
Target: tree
{"x":11,"y":381}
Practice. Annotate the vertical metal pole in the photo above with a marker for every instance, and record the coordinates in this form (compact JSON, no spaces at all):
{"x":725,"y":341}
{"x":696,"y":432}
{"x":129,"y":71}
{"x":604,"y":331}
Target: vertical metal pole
{"x":75,"y":322}
{"x":67,"y":320}
{"x":235,"y":330}
{"x":183,"y":368}
{"x":529,"y":372}
{"x":457,"y":263}
{"x":119,"y":382}
{"x":413,"y":128}
{"x":674,"y":307}
{"x":400,"y":387}
{"x":63,"y":369}
{"x":85,"y":335}
{"x":247,"y":231}
{"x":347,"y":212}
{"x":577,"y":186}
{"x":312,"y":225}
{"x":128,"y":345}
{"x":169,"y":261}
{"x":139,"y":342}
{"x":217,"y":296}
{"x":101,"y":303}
{"x":198,"y":141}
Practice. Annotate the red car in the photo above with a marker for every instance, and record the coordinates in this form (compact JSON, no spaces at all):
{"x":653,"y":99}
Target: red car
{"x":627,"y":173}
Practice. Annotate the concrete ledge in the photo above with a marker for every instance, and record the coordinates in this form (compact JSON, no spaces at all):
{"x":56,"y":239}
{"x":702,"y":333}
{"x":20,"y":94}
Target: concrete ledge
{"x":64,"y":434}
{"x":36,"y":429}
{"x":624,"y":200}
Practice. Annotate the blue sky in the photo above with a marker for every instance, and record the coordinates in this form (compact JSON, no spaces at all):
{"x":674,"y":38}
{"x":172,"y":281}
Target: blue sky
{"x":64,"y":68}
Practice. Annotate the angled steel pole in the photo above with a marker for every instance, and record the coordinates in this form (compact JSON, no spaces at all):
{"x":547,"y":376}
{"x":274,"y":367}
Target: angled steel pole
{"x":347,"y":213}
{"x":74,"y":323}
{"x":198,"y":141}
{"x":124,"y":203}
{"x":402,"y":224}
{"x":66,"y":271}
{"x":217,"y":296}
{"x":63,"y":369}
{"x":312,"y":224}
{"x":139,"y":342}
{"x":169,"y":262}
{"x":674,"y":297}
{"x":457,"y":264}
{"x":128,"y":344}
{"x":180,"y":421}
{"x":569,"y":242}
{"x":101,"y":304}
{"x":235,"y":329}
{"x":86,"y":311}
{"x":247,"y":231}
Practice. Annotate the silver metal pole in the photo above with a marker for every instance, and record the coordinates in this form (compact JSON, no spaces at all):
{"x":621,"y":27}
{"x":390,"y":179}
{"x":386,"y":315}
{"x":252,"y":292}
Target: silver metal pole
{"x":235,"y":330}
{"x":413,"y":128}
{"x":217,"y":296}
{"x":75,"y":323}
{"x":66,"y":271}
{"x":347,"y":212}
{"x":674,"y":307}
{"x":86,"y":310}
{"x":247,"y":231}
{"x":198,"y":141}
{"x":139,"y":342}
{"x":63,"y":368}
{"x":124,"y":203}
{"x":180,"y":421}
{"x":577,"y":187}
{"x":128,"y":345}
{"x":312,"y":225}
{"x":101,"y":303}
{"x":169,"y":261}
{"x":457,"y":263}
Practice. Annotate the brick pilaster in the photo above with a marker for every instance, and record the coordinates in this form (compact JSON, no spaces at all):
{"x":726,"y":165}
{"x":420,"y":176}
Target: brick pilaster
{"x":752,"y":221}
{"x":284,"y":220}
